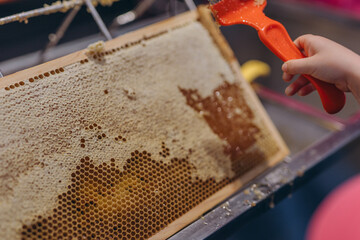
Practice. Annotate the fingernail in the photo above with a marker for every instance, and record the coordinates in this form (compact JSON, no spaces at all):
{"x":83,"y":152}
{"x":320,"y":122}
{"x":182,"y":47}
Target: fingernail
{"x":288,"y":91}
{"x":285,"y":67}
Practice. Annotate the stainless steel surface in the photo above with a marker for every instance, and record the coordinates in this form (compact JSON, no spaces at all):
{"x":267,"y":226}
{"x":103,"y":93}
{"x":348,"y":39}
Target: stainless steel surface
{"x":125,"y":18}
{"x":98,"y":20}
{"x":172,"y":7}
{"x":190,"y":4}
{"x":54,"y":38}
{"x":328,"y":121}
{"x":63,"y":6}
{"x":132,"y":15}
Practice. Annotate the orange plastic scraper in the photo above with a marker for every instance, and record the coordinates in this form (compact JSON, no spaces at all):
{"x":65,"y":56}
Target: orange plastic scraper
{"x":274,"y":35}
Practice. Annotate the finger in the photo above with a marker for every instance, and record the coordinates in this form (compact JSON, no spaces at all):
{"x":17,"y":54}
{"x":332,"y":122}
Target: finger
{"x":342,"y":86}
{"x":303,"y":42}
{"x":287,"y":77}
{"x":296,"y":86}
{"x":306,"y":90}
{"x":299,"y":42}
{"x":300,"y":66}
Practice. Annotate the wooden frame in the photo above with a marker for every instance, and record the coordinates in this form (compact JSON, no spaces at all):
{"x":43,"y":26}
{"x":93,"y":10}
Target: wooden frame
{"x":202,"y":15}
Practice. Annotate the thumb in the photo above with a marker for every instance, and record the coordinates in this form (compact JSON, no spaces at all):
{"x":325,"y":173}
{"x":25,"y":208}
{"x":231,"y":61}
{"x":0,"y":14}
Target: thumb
{"x":300,"y":66}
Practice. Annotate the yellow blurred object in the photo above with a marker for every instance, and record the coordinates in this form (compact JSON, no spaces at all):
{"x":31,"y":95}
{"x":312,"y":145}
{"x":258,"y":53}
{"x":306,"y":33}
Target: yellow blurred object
{"x":253,"y":69}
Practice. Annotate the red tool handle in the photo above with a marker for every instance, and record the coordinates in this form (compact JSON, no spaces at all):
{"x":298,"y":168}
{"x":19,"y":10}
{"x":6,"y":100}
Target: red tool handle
{"x":276,"y":38}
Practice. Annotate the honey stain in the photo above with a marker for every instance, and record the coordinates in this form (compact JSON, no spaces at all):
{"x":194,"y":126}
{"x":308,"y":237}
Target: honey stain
{"x":229,"y":116}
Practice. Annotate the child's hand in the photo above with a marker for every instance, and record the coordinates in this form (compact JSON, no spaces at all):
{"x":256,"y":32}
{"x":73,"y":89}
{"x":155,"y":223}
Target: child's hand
{"x":326,"y":61}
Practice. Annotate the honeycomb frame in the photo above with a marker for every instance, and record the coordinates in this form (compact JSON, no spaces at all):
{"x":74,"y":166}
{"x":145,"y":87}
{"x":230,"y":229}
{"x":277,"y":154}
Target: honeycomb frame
{"x":106,"y":199}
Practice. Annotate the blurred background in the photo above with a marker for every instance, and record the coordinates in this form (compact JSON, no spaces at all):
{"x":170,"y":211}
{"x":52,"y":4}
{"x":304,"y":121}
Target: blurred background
{"x":21,"y":45}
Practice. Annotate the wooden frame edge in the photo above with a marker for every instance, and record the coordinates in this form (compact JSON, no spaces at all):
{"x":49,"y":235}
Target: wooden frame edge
{"x":203,"y":15}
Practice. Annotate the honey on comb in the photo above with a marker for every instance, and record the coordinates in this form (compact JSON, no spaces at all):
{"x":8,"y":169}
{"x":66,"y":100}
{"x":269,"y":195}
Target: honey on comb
{"x":146,"y":194}
{"x":80,"y":182}
{"x":107,"y":202}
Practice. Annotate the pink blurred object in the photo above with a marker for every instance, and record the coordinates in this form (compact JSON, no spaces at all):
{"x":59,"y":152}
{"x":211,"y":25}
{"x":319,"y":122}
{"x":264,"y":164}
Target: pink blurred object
{"x":350,"y":6}
{"x":338,"y":217}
